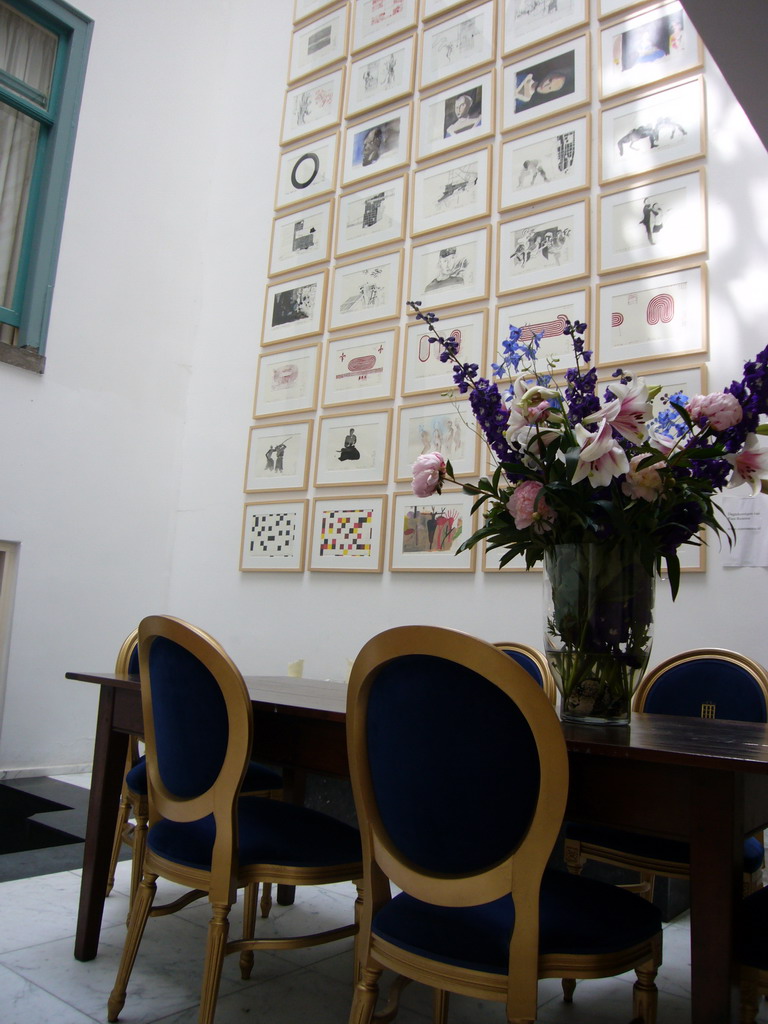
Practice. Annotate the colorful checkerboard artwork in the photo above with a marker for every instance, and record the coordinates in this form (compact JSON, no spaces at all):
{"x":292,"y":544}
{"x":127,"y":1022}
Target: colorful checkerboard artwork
{"x":346,"y":532}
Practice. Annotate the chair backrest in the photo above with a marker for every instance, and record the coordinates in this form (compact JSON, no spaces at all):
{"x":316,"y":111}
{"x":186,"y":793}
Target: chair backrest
{"x":706,"y":683}
{"x":533,"y":662}
{"x":127,"y":661}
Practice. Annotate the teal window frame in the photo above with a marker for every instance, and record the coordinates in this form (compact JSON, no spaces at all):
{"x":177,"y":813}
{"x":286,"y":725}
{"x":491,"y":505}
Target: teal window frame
{"x":33,"y":293}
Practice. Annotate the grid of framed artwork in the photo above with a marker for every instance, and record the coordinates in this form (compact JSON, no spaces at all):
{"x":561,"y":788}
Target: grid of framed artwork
{"x":505,"y":162}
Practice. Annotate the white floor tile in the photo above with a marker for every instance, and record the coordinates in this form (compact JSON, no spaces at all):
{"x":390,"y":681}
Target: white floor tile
{"x":25,"y":1003}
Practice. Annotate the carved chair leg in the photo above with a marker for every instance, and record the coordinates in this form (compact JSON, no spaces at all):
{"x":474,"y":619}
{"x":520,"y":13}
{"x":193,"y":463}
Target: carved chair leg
{"x":250,"y":896}
{"x":123,"y":816}
{"x":569,"y":985}
{"x":266,"y":899}
{"x":138,"y":920}
{"x":140,"y":811}
{"x":365,"y":996}
{"x":439,"y":1006}
{"x":645,"y":994}
{"x":218,"y":931}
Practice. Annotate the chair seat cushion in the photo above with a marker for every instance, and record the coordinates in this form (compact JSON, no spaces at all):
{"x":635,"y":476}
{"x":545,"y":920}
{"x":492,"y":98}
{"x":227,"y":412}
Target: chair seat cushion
{"x":578,"y":916}
{"x":257,"y":778}
{"x":270,"y":832}
{"x":752,"y":934}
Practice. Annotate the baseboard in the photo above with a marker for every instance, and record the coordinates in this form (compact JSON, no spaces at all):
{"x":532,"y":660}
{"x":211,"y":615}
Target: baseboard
{"x":42,"y":771}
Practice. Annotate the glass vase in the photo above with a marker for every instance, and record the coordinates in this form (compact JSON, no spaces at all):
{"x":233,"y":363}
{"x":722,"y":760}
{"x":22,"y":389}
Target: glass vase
{"x":598,"y":607}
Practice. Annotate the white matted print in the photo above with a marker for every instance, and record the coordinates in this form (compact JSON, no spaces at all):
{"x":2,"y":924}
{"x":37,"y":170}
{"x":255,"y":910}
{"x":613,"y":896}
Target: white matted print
{"x":366,"y":291}
{"x":527,"y":22}
{"x":273,"y":536}
{"x":305,"y":8}
{"x":278,"y":457}
{"x":661,"y":128}
{"x":541,"y":165}
{"x":661,"y":220}
{"x":286,"y":381}
{"x":647,"y":48}
{"x":294,"y":309}
{"x":427,"y":533}
{"x":445,"y":427}
{"x":451,"y":269}
{"x":652,"y":317}
{"x":353,"y":449}
{"x":377,"y":145}
{"x":545,"y":83}
{"x":348,"y":534}
{"x":423,"y":370}
{"x":307,"y":172}
{"x":544,"y":248}
{"x":381,"y":77}
{"x":460,"y":114}
{"x":371,"y":216}
{"x":319,"y":44}
{"x":451,"y":192}
{"x":434,"y":7}
{"x":360,"y":367}
{"x":547,"y":316}
{"x":312,"y":106}
{"x":459,"y":44}
{"x":378,"y":19}
{"x":681,"y":384}
{"x":300,"y":239}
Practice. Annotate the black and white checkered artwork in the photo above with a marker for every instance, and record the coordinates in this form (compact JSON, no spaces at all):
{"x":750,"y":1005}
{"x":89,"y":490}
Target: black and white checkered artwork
{"x":271,"y":534}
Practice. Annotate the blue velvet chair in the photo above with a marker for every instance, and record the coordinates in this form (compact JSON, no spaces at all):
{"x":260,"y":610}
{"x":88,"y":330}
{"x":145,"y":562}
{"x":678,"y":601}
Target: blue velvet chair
{"x":460,"y":776}
{"x":534,"y":663}
{"x":203,"y":834}
{"x":752,"y":952}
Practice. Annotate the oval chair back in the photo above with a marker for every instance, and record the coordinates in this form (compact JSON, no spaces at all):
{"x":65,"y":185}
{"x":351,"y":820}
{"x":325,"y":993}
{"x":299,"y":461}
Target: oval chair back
{"x":533,"y":662}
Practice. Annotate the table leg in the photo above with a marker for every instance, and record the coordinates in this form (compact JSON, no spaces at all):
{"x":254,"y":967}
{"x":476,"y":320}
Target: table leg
{"x":109,"y":753}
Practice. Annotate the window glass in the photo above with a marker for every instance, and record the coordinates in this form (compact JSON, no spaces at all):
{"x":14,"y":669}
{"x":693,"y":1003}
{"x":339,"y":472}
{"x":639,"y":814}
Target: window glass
{"x":27,"y":57}
{"x":18,"y":147}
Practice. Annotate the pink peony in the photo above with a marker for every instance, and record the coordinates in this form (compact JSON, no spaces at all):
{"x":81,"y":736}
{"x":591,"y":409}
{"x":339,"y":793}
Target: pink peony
{"x":720,"y":409}
{"x":643,"y":483}
{"x":428,"y":474}
{"x":528,"y":508}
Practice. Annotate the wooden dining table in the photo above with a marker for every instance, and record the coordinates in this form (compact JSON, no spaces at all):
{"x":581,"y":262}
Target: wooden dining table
{"x":701,"y":781}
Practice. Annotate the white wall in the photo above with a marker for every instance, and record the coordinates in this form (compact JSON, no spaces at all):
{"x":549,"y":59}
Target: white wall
{"x":123,"y":464}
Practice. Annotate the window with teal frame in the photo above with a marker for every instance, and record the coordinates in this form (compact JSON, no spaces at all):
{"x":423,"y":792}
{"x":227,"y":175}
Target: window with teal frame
{"x":43,"y":54}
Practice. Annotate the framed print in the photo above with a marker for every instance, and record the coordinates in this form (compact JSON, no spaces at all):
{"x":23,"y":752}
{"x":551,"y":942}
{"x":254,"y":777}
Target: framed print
{"x":545,"y":83}
{"x":423,"y":372}
{"x":378,"y":19}
{"x":304,"y":8}
{"x":528,"y":22}
{"x":312,"y":106}
{"x":460,"y":114}
{"x":434,"y":7}
{"x":661,"y":220}
{"x":543,"y":248}
{"x":654,"y":131}
{"x":278,"y":457}
{"x":294,"y":309}
{"x":605,"y":8}
{"x":427,"y":533}
{"x":541,"y":165}
{"x":353,"y":449}
{"x":348,"y":534}
{"x":547,"y":316}
{"x":647,"y":48}
{"x":286,"y":381}
{"x":273,"y":536}
{"x":361,"y":368}
{"x":377,"y":145}
{"x":318,"y":44}
{"x":452,"y":192}
{"x":445,"y":427}
{"x":652,"y":317}
{"x":300,"y":239}
{"x":371,"y":216}
{"x":451,"y":269}
{"x":307,"y":172}
{"x":681,"y":383}
{"x":381,"y":77}
{"x":492,"y":561}
{"x":366,"y":291}
{"x":461,"y":43}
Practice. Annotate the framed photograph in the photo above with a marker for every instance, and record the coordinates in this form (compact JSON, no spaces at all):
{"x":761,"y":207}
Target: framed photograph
{"x":434,"y":7}
{"x":307,"y":172}
{"x":319,"y":44}
{"x":658,"y":129}
{"x":459,"y":44}
{"x":547,"y":316}
{"x":374,"y":215}
{"x":294,"y":309}
{"x":460,"y":114}
{"x":652,"y":317}
{"x":377,"y":145}
{"x":361,"y":368}
{"x":273,"y":536}
{"x":301,"y":239}
{"x":379,"y":19}
{"x":528,"y":22}
{"x":305,"y":8}
{"x":381,"y":77}
{"x":452,"y":192}
{"x":422,"y":370}
{"x":278,"y":457}
{"x":353,"y":448}
{"x":445,"y":427}
{"x":427,"y":533}
{"x":366,"y":291}
{"x":546,"y":247}
{"x":647,"y":48}
{"x":348,"y":534}
{"x":660,"y":220}
{"x":452,"y":269}
{"x":313,"y":106}
{"x":545,"y":164}
{"x":286,"y":381}
{"x":545,"y":83}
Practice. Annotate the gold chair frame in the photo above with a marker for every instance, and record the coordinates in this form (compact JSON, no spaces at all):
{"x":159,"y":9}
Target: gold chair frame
{"x":547,"y":679}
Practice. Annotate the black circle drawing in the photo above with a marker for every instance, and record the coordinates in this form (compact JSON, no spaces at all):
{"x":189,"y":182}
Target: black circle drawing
{"x":315,"y":161}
